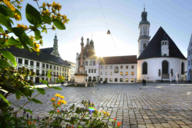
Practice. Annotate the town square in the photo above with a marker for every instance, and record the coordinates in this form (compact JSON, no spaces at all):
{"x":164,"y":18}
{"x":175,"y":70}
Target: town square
{"x":95,"y":64}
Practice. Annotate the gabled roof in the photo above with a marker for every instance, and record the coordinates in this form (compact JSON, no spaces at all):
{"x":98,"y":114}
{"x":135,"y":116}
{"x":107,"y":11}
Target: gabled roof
{"x":153,"y":49}
{"x":44,"y":57}
{"x":119,"y":60}
{"x":47,"y":50}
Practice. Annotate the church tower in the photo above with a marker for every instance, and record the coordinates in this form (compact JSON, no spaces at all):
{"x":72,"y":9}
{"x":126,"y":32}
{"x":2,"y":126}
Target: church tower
{"x":55,"y":47}
{"x":165,"y":46}
{"x":144,"y":33}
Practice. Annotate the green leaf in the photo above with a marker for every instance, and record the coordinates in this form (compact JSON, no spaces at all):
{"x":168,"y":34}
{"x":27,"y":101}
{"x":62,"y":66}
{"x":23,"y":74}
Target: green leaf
{"x":46,"y":19}
{"x":9,"y":56}
{"x":1,"y":29}
{"x":37,"y":34}
{"x":36,"y":101}
{"x":45,"y":82}
{"x":12,"y":41}
{"x":6,"y":11}
{"x":41,"y":90}
{"x":33,"y":16}
{"x":5,"y":64}
{"x":19,"y":32}
{"x":18,"y":94}
{"x":28,"y":110}
{"x":56,"y":88}
{"x":58,"y":24}
{"x":49,"y":73}
{"x":4,"y":99}
{"x":5,"y":21}
{"x":9,"y":89}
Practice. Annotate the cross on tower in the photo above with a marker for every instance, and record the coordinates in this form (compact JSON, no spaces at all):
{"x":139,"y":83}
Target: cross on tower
{"x":144,"y":7}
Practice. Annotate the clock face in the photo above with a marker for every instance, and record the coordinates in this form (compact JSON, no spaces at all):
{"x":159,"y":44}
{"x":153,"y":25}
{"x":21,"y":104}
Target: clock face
{"x":87,"y":50}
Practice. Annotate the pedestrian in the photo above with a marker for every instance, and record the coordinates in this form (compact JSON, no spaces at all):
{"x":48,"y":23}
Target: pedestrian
{"x":143,"y":82}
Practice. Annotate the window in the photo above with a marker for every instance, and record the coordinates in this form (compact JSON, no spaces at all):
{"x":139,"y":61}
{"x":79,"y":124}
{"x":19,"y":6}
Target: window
{"x":111,"y":73}
{"x":126,"y":73}
{"x":132,"y":80}
{"x":20,"y":61}
{"x":57,"y":68}
{"x":144,"y":68}
{"x":93,"y":63}
{"x":111,"y":80}
{"x":90,"y":64}
{"x":126,"y":67}
{"x":189,"y":52}
{"x":31,"y":70}
{"x":44,"y":72}
{"x":101,"y":73}
{"x":121,"y":67}
{"x":50,"y":66}
{"x":105,"y":67}
{"x":116,"y":80}
{"x":132,"y":73}
{"x":89,"y":70}
{"x":94,"y":70}
{"x":121,"y":79}
{"x":111,"y":67}
{"x":31,"y":63}
{"x":26,"y":62}
{"x":37,"y":72}
{"x":101,"y":79}
{"x":43,"y":65}
{"x":182,"y":68}
{"x":101,"y":67}
{"x":37,"y":64}
{"x":31,"y":78}
{"x":165,"y":55}
{"x":144,"y":46}
{"x":54,"y":67}
{"x":121,"y":73}
{"x":132,"y":67}
{"x":86,"y":63}
{"x":105,"y":73}
{"x":47,"y":65}
{"x":126,"y":80}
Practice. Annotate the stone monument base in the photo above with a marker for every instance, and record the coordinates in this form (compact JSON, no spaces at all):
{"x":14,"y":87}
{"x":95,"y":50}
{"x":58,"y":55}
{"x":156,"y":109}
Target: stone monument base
{"x":80,"y":79}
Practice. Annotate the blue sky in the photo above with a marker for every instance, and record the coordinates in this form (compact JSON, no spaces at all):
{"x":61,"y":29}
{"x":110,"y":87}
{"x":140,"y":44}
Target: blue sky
{"x":123,"y":17}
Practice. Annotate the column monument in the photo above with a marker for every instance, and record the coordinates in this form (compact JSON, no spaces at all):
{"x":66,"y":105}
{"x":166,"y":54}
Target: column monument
{"x":81,"y":75}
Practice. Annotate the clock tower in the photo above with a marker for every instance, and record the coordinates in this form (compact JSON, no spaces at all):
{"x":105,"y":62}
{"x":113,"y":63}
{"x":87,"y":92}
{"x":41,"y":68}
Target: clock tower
{"x":144,"y":37}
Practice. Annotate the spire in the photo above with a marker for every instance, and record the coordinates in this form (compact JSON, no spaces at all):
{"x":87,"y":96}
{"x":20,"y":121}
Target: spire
{"x":55,"y":36}
{"x":144,"y":17}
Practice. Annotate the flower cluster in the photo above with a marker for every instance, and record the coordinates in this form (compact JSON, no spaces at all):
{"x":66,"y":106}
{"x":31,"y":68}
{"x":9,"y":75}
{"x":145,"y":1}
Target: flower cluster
{"x":9,"y":5}
{"x":22,"y":26}
{"x":31,"y":123}
{"x":59,"y":102}
{"x":106,"y":113}
{"x":114,"y":123}
{"x":53,"y":11}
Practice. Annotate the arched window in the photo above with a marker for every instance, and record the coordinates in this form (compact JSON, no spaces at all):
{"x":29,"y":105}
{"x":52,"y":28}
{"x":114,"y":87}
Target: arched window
{"x":182,"y":68}
{"x":144,"y":46}
{"x":165,"y":67}
{"x":144,"y":68}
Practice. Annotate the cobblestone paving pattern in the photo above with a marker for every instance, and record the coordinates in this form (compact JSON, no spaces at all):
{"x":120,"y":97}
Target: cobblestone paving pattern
{"x":136,"y":106}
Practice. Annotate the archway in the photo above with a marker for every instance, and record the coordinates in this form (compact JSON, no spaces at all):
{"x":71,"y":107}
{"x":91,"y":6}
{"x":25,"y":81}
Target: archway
{"x":165,"y":67}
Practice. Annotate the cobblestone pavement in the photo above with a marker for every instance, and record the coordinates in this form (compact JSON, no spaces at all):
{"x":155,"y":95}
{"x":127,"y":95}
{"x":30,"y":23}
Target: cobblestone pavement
{"x":153,"y":106}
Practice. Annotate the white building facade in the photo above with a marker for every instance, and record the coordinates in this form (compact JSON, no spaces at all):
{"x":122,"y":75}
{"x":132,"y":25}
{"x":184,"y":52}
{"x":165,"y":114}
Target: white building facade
{"x":189,"y":60}
{"x":48,"y":59}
